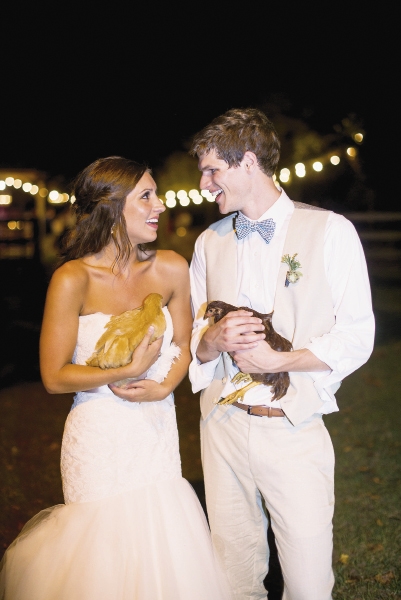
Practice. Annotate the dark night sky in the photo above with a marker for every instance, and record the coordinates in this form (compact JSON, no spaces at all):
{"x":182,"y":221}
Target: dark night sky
{"x":77,"y":85}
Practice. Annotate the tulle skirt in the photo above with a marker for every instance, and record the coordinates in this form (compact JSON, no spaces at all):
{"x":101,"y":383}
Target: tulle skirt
{"x":149,"y":544}
{"x":135,"y":533}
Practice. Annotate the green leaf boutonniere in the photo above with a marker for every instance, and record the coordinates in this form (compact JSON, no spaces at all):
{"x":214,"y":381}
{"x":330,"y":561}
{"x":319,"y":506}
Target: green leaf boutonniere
{"x":293,"y":274}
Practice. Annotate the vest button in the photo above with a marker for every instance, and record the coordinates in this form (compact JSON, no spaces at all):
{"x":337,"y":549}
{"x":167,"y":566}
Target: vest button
{"x":224,"y":380}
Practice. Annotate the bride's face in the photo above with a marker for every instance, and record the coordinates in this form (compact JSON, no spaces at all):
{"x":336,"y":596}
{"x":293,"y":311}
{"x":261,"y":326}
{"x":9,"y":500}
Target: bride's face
{"x":142,"y":210}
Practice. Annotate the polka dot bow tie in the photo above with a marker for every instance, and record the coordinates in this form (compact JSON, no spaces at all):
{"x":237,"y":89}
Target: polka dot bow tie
{"x":244,"y":226}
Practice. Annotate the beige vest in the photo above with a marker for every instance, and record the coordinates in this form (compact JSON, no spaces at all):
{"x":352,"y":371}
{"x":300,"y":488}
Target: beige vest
{"x":301,"y":311}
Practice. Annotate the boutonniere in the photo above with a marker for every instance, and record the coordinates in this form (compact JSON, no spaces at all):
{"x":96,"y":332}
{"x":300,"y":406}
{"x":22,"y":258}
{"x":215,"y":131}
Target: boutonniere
{"x":293,"y":274}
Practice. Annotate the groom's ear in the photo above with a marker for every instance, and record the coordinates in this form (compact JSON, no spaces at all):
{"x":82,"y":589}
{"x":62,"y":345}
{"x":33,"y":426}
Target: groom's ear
{"x":250,"y":161}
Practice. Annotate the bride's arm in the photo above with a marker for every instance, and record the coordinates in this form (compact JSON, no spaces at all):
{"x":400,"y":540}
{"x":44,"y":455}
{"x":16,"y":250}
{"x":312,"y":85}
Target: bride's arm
{"x":59,"y":337}
{"x":174,"y":268}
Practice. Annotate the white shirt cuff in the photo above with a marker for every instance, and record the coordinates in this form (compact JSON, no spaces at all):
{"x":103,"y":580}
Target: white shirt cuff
{"x":201,"y":374}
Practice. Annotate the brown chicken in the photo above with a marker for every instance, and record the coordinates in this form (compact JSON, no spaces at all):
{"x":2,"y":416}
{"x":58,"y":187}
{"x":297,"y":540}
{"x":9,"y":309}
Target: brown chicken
{"x":278,"y":381}
{"x":124,"y":332}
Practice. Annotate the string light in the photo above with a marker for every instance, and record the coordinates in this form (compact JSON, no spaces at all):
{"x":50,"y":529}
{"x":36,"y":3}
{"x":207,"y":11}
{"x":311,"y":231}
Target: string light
{"x":185,"y":198}
{"x":284,"y":175}
{"x":54,"y":197}
{"x":300,"y":170}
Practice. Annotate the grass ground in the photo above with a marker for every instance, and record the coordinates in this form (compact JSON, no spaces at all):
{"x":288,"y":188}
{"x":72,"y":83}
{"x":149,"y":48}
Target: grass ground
{"x":366,"y":437}
{"x":367,"y":440}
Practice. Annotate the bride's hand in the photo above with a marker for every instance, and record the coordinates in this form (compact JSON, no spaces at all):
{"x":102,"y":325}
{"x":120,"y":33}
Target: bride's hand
{"x":143,"y":390}
{"x":144,"y":355}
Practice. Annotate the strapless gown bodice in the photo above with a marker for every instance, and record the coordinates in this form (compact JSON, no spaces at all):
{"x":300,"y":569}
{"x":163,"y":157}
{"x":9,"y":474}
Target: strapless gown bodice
{"x":91,"y":328}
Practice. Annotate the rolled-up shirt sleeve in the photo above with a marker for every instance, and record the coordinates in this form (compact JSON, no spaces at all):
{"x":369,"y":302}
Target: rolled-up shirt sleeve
{"x":349,"y":344}
{"x":200,"y":374}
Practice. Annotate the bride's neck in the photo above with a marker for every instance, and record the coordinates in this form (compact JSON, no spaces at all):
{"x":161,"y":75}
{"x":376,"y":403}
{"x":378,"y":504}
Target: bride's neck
{"x":107,"y":258}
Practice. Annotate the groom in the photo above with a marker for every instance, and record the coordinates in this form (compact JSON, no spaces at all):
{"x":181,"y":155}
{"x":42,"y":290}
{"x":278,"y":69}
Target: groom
{"x":306,"y":265}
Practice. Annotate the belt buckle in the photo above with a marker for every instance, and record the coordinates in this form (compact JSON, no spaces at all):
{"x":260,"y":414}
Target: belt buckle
{"x":251,"y":413}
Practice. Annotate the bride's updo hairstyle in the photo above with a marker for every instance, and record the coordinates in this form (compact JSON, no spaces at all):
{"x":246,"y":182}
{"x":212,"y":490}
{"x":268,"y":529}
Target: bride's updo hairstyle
{"x":100,"y":192}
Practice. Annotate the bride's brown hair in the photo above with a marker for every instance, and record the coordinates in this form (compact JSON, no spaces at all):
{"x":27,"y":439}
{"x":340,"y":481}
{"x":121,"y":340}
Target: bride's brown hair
{"x":100,"y":191}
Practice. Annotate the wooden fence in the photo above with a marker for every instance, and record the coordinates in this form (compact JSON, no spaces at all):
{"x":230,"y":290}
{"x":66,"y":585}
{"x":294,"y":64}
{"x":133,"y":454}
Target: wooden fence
{"x":380,"y":234}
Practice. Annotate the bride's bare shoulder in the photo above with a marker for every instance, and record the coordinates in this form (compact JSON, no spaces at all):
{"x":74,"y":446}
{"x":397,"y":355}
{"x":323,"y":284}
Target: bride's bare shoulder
{"x":171,"y":261}
{"x":72,"y":274}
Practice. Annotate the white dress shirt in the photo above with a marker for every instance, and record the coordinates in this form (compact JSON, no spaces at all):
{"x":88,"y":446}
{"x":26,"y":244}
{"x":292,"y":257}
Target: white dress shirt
{"x":349,"y":343}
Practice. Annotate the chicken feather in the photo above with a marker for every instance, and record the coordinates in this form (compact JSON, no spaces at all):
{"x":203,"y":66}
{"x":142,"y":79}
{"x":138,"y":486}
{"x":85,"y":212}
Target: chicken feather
{"x":124,"y":332}
{"x":278,"y":381}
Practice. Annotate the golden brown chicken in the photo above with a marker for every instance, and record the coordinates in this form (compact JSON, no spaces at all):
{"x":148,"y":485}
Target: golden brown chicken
{"x":278,"y":381}
{"x":124,"y":332}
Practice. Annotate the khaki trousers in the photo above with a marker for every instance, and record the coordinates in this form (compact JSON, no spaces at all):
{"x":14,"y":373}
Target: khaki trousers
{"x":249,"y":460}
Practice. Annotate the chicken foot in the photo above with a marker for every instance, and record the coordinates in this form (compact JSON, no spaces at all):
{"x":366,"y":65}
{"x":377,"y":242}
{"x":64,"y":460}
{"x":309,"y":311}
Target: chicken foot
{"x":239,"y":394}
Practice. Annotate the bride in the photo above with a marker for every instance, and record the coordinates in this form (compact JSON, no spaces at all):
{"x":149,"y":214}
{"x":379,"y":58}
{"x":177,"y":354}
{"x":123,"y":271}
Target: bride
{"x":131,"y":527}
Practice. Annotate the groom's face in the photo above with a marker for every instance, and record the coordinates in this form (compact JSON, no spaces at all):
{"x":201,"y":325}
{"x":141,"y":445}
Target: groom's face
{"x":229,"y":185}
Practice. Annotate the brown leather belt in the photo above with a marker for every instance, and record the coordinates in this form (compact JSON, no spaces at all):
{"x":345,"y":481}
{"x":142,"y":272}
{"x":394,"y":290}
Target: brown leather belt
{"x":261,"y":411}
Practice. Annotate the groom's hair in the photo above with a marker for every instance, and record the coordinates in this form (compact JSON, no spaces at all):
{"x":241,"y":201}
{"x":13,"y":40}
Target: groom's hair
{"x":237,"y":131}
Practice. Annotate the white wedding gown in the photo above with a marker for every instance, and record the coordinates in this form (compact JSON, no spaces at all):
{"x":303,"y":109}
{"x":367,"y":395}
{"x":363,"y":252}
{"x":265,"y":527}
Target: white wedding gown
{"x":131,"y":527}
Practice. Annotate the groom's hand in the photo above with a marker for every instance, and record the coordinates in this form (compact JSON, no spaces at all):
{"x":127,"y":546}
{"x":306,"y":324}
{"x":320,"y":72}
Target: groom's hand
{"x":238,"y":330}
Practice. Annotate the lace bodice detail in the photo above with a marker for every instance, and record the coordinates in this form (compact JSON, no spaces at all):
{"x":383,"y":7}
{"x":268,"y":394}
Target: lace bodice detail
{"x":108,"y":448}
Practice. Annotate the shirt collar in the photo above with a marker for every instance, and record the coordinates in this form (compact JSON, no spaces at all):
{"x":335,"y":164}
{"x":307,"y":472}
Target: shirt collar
{"x":279,"y":211}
